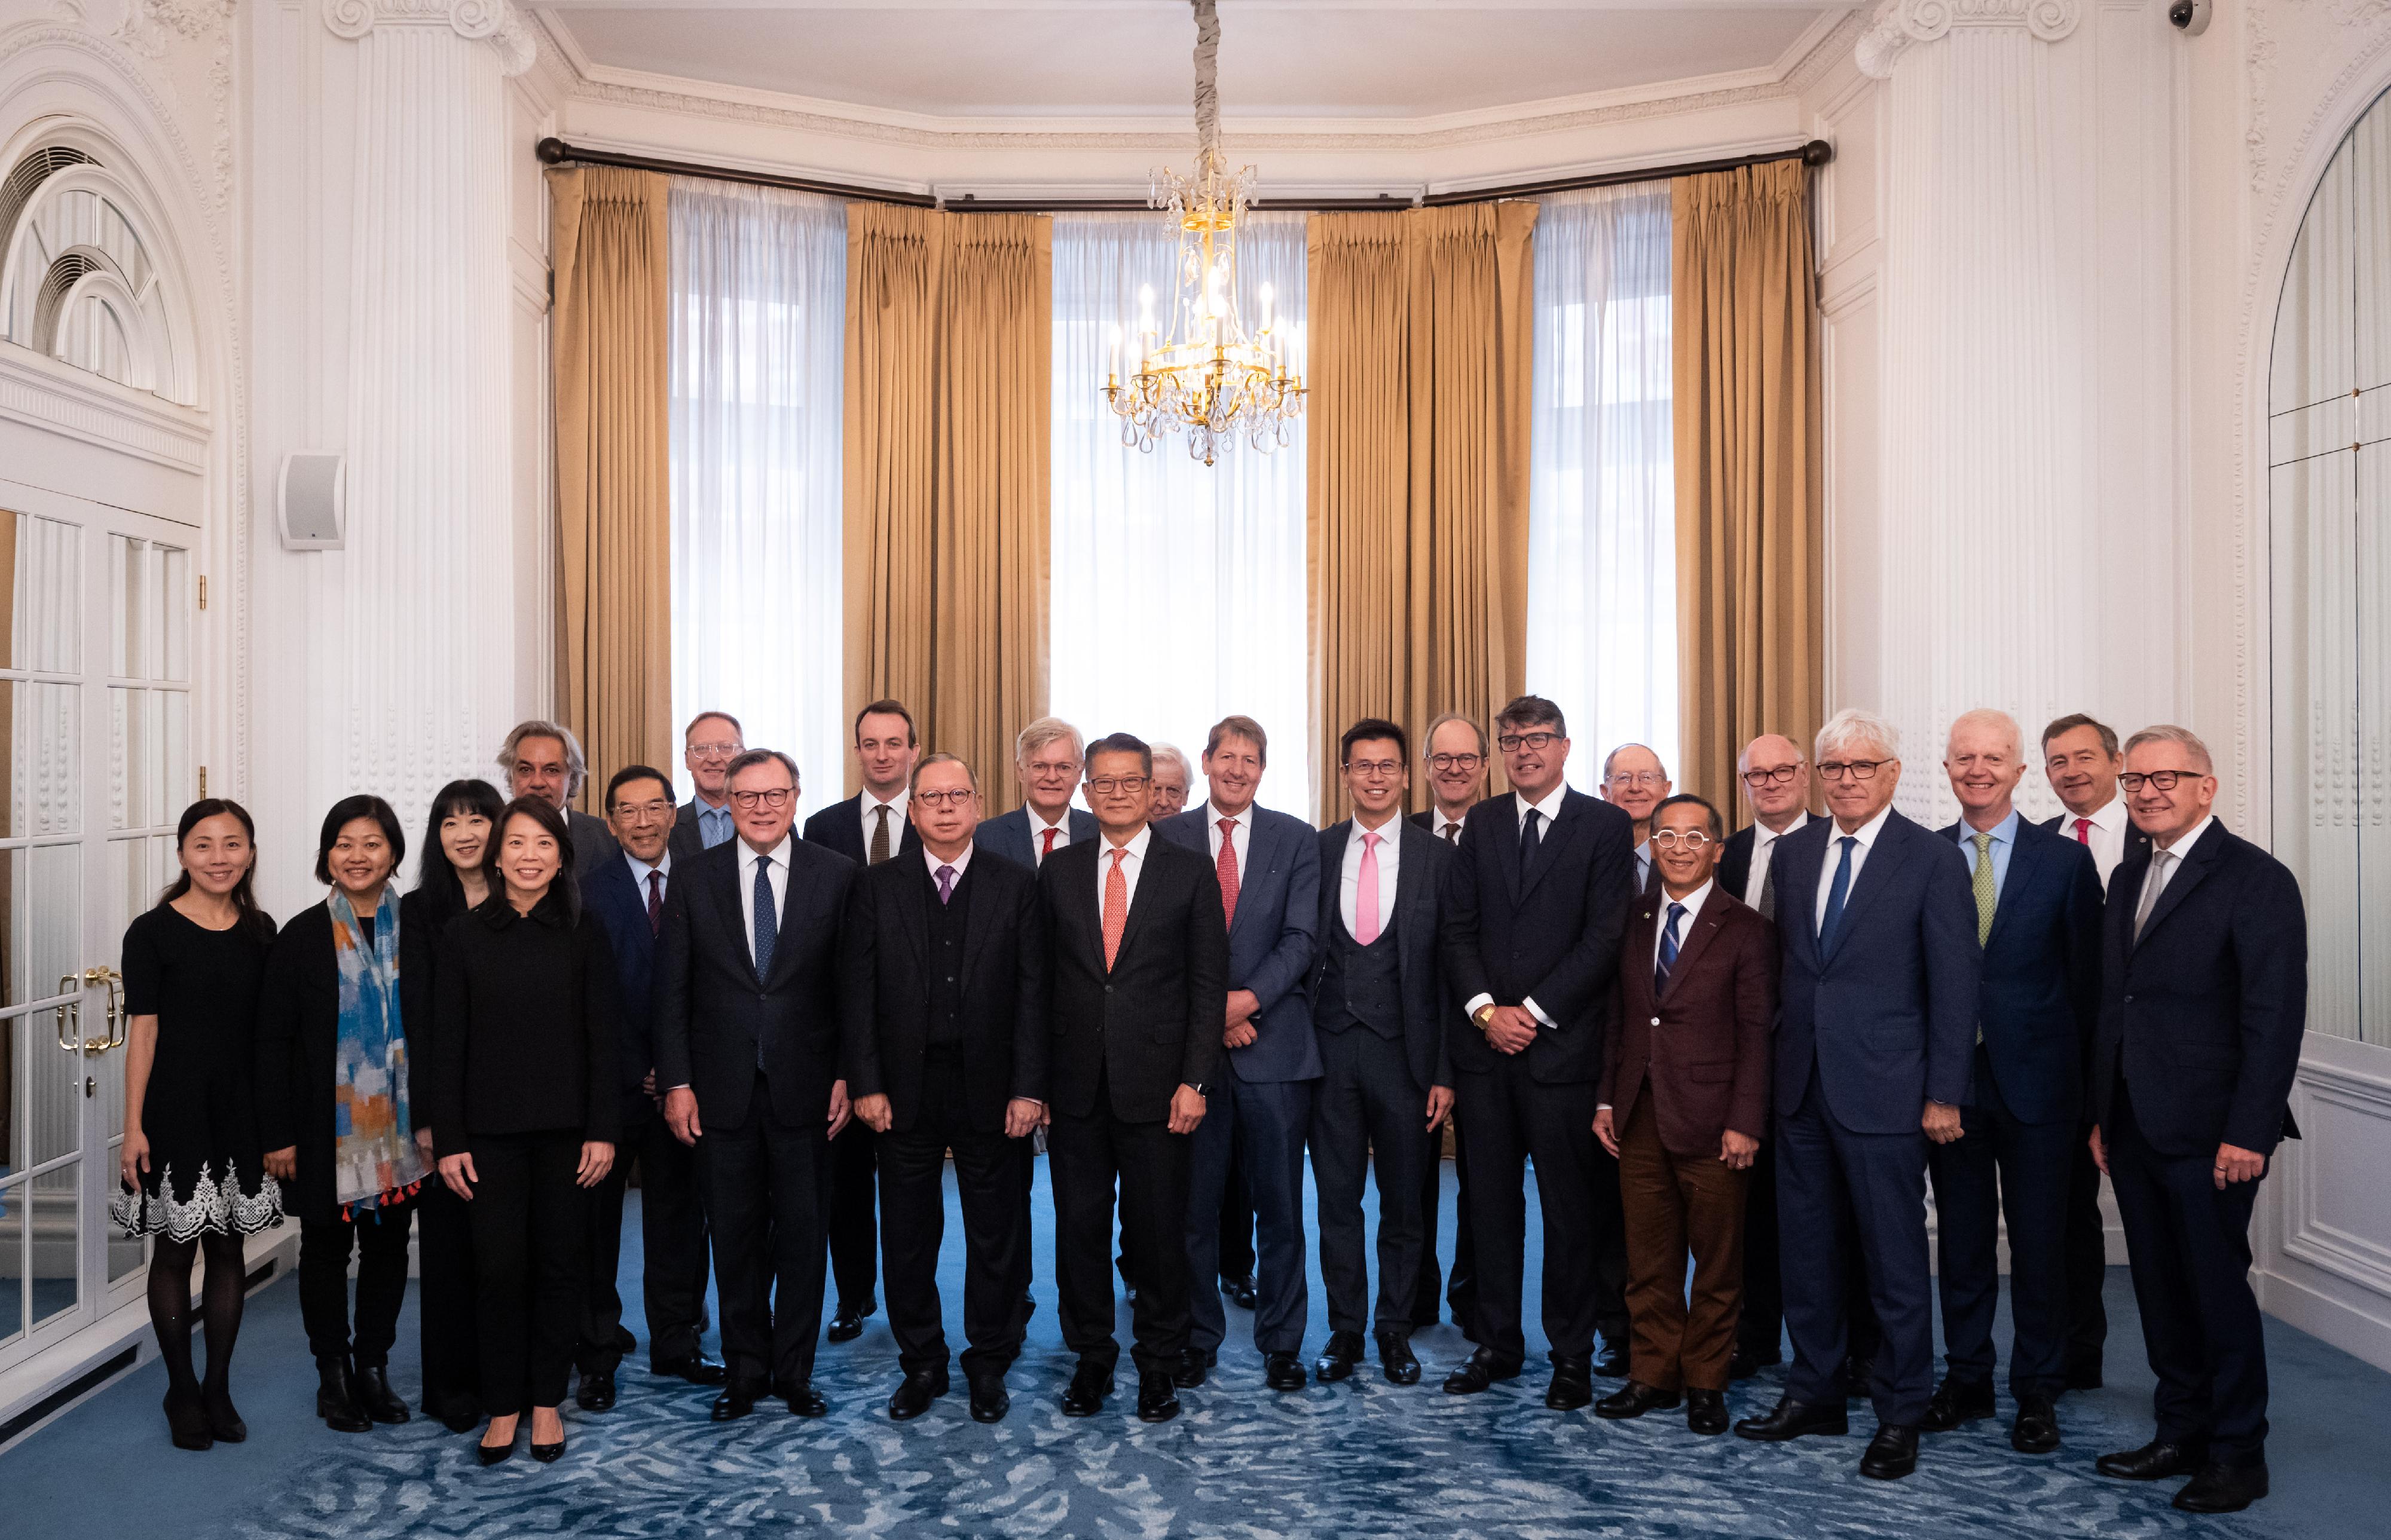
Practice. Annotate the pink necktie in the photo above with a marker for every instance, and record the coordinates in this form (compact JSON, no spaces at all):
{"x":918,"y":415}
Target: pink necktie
{"x":1226,"y":864}
{"x":1366,"y":898}
{"x":2082,"y":831}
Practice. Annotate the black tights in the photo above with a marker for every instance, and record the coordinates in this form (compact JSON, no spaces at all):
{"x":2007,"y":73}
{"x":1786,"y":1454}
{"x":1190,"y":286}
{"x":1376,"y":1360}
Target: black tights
{"x":170,"y":1309}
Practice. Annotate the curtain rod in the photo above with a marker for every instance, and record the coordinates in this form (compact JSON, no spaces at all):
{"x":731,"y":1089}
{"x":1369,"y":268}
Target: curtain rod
{"x":554,"y":152}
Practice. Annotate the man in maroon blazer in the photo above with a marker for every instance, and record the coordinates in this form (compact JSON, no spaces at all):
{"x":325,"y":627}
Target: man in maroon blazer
{"x":1684,"y":1102}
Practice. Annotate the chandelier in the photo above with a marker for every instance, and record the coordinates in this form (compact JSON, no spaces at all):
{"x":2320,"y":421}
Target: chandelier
{"x":1207,"y":377}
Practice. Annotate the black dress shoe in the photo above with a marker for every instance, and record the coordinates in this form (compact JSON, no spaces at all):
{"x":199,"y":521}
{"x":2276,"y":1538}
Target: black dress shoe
{"x":1571,"y":1387}
{"x":224,"y":1422}
{"x":805,"y":1401}
{"x":2153,"y":1462}
{"x":186,"y":1422}
{"x":1955,"y":1406}
{"x":989,"y":1400}
{"x":1794,"y":1419}
{"x":1397,"y":1361}
{"x":1706,"y":1412}
{"x":1633,"y":1399}
{"x":1282,"y":1371}
{"x":1240,"y":1290}
{"x":847,"y":1324}
{"x":914,"y":1394}
{"x":1611,"y":1358}
{"x":2223,"y":1488}
{"x":2035,"y":1431}
{"x":336,"y":1398}
{"x":1157,"y":1396}
{"x":1478,"y":1372}
{"x":1336,"y":1360}
{"x":736,"y":1401}
{"x":1193,"y":1366}
{"x":596,"y":1392}
{"x":1892,"y":1454}
{"x":697,"y":1369}
{"x":376,"y":1398}
{"x":1085,"y":1395}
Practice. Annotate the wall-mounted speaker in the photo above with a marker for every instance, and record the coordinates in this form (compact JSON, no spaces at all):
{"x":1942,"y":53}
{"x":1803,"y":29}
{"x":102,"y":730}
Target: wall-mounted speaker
{"x":311,"y":505}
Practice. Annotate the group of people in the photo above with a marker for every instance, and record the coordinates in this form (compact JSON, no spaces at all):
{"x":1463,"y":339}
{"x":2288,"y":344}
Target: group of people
{"x":1744,"y":1056}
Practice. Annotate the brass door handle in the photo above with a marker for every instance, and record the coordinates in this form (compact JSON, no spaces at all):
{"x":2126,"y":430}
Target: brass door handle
{"x":68,"y":1011}
{"x":114,"y":983}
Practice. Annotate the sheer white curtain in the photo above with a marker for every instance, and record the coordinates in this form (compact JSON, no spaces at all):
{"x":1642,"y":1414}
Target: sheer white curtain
{"x":758,"y":333}
{"x":1602,"y":571}
{"x":1179,"y":589}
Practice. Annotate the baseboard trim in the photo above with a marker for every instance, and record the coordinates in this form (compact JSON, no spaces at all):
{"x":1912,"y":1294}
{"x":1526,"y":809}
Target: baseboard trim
{"x":2320,"y":1315}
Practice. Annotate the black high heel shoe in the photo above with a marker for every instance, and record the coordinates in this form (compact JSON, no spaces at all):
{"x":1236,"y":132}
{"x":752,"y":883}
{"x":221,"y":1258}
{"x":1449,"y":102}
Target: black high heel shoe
{"x":223,"y":1421}
{"x":186,"y":1420}
{"x":549,"y":1454}
{"x":498,"y":1454}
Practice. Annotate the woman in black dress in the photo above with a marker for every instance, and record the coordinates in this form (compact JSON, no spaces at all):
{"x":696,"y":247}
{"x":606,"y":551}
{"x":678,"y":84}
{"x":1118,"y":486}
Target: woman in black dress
{"x":449,"y":882}
{"x":526,"y":1104}
{"x":194,"y":1175}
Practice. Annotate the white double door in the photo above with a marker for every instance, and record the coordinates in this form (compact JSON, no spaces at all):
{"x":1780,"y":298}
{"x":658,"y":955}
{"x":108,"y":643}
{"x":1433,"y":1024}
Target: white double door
{"x":95,"y":765}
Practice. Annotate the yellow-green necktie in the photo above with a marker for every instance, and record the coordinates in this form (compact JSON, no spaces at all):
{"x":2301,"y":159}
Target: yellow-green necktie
{"x":1984,"y":896}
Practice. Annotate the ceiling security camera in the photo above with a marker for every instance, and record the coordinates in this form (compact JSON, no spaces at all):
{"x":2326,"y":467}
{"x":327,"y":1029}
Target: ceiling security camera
{"x":2190,"y":17}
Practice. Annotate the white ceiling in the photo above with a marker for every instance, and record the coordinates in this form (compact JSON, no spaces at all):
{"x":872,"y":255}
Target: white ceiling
{"x":1356,"y":59}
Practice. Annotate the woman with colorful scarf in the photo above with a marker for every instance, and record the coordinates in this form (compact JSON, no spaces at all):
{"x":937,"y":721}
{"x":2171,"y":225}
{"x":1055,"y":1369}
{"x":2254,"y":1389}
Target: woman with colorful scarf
{"x":332,"y":1107}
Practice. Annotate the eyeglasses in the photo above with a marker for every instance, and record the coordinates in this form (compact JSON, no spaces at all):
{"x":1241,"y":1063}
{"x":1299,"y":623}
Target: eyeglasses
{"x":1639,"y":777}
{"x":716,"y":750}
{"x":1369,"y":769}
{"x":1053,"y":767}
{"x":1780,"y":775}
{"x":643,"y":812}
{"x":1680,"y":838}
{"x":1857,"y":769}
{"x":779,"y":796}
{"x":1455,"y":762}
{"x":1513,"y":742}
{"x":2160,"y":780}
{"x":1113,"y":786}
{"x":945,"y":798}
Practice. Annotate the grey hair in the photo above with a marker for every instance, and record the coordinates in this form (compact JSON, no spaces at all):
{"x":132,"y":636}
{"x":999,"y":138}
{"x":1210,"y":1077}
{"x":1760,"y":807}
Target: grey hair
{"x":1614,"y":754}
{"x":2183,"y":738}
{"x":1046,"y":730}
{"x":1985,"y":716}
{"x":1171,"y":751}
{"x":1852,"y":725}
{"x":576,"y":766}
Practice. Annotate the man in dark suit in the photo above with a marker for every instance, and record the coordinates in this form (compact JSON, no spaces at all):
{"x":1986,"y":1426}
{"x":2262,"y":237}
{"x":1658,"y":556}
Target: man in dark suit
{"x":541,"y":759}
{"x":1138,"y":949}
{"x":1046,"y":755}
{"x":747,"y":1053}
{"x":709,"y":744}
{"x":1536,"y":905}
{"x":868,"y":829}
{"x":1684,"y":1091}
{"x":2038,"y":901}
{"x":2204,"y":1001}
{"x":1876,"y":1025}
{"x":944,"y":995}
{"x":1378,"y":1013}
{"x":1454,"y":756}
{"x":627,"y":896}
{"x":1635,"y":781}
{"x":1268,"y":867}
{"x":2082,"y":758}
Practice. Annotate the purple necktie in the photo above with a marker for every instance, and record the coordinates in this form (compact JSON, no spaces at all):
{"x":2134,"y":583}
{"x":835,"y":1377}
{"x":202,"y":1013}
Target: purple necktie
{"x":946,"y":883}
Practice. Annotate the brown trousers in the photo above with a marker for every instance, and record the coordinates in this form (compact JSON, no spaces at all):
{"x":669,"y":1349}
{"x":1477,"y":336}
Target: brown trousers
{"x":1673,"y":1203}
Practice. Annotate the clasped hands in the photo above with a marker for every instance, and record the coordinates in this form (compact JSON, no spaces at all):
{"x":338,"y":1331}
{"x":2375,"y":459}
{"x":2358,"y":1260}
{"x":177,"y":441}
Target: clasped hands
{"x":1509,"y":1028}
{"x":1022,"y":1116}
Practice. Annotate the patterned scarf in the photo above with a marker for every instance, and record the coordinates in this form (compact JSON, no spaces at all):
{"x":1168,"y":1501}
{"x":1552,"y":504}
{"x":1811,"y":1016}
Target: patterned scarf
{"x":375,"y":1161}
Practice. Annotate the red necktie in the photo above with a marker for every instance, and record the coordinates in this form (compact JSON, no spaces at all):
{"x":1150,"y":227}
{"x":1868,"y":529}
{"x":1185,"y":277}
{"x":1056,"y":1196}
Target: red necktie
{"x":1116,"y":906}
{"x":1047,"y":849}
{"x":1227,"y":866}
{"x":2082,"y":831}
{"x":655,"y":903}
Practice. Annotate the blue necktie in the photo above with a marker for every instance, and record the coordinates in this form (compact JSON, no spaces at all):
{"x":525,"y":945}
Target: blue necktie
{"x":1835,"y":897}
{"x":1528,"y":839}
{"x":1668,"y":958}
{"x":768,"y":924}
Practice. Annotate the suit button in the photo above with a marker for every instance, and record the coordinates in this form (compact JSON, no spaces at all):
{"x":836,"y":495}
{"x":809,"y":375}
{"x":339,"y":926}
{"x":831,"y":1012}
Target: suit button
{"x":2129,"y":999}
{"x":1656,"y":1021}
{"x":1108,"y":989}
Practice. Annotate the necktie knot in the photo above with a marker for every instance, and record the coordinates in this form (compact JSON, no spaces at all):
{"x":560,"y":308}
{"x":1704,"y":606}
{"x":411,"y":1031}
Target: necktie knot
{"x":1370,"y":839}
{"x":1453,"y":834}
{"x":2082,"y":831}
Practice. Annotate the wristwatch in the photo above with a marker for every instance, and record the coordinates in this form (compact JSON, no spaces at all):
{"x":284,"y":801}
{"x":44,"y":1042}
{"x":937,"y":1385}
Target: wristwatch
{"x":1199,"y":1088}
{"x":1485,"y":1014}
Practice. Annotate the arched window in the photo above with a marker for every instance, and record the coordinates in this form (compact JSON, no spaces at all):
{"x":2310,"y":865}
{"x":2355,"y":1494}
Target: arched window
{"x":78,"y":280}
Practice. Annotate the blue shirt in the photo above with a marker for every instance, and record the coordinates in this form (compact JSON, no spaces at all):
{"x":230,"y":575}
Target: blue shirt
{"x":2004,"y":841}
{"x":713,"y":825}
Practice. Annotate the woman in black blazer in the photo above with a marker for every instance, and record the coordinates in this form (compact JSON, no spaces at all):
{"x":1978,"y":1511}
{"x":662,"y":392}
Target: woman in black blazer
{"x":333,"y":1111}
{"x":525,"y":1110}
{"x":449,"y":880}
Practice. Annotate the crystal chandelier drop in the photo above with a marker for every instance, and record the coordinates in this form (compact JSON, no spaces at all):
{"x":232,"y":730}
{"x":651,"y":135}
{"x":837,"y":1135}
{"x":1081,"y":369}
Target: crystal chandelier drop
{"x":1207,"y":377}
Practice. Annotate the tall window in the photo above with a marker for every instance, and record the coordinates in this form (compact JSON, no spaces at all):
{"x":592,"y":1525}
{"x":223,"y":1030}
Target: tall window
{"x":758,"y":297}
{"x":1602,"y":577}
{"x":1179,"y":589}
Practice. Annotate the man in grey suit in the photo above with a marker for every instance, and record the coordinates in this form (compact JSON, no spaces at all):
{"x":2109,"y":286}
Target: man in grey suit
{"x":1269,"y":869}
{"x":1048,"y":755}
{"x":543,"y":760}
{"x":709,"y":744}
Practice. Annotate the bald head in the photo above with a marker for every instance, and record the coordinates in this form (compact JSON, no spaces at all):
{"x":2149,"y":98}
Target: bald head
{"x":1775,"y":775}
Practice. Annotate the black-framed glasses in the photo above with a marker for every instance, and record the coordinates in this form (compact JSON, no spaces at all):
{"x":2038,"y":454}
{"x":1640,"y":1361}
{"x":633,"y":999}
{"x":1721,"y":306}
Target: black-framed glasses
{"x":1857,"y":769}
{"x":1113,"y":786}
{"x":778,"y":796}
{"x":1511,"y":743}
{"x":1455,"y":762}
{"x":1780,"y":775}
{"x":1680,"y":838}
{"x":2160,"y":780}
{"x":960,"y":796}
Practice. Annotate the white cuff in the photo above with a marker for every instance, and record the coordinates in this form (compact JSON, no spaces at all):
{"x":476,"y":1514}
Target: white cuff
{"x":1538,"y":1012}
{"x":1477,"y":1000}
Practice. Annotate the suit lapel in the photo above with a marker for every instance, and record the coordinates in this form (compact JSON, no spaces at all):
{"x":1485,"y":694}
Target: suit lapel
{"x":1890,"y":851}
{"x":976,"y":920}
{"x":1691,"y":947}
{"x":1258,"y":847}
{"x":2025,"y":858}
{"x":2187,"y":876}
{"x":726,"y":894}
{"x":914,"y":902}
{"x":1137,"y":906}
{"x":1549,"y":844}
{"x":1332,"y":878}
{"x":796,"y":893}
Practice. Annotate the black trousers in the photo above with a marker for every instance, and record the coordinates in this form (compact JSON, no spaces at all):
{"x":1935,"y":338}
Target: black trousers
{"x":1508,"y":1117}
{"x":854,"y":1215}
{"x":2087,"y":1267}
{"x":1085,"y":1155}
{"x":672,"y":1246}
{"x":1237,"y":1222}
{"x":530,"y":1251}
{"x":1367,"y":1112}
{"x":1458,"y":1288}
{"x":990,"y":1172}
{"x":2001,"y":1167}
{"x":1760,"y":1331}
{"x":380,"y":1240}
{"x":444,"y":1300}
{"x":767,"y":1193}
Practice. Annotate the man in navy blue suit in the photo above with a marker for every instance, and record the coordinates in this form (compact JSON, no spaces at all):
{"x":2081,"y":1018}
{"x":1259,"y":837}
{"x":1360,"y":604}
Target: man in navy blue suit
{"x":626,"y":893}
{"x":1268,"y":870}
{"x":2037,"y":897}
{"x":1047,"y":755}
{"x":2204,"y":1000}
{"x":1877,"y":930}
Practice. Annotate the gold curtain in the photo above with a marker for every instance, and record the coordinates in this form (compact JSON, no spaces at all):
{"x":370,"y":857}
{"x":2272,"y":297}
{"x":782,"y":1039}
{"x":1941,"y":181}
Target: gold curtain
{"x":614,"y":500}
{"x":1420,"y":338}
{"x":949,"y":398}
{"x":1750,"y":505}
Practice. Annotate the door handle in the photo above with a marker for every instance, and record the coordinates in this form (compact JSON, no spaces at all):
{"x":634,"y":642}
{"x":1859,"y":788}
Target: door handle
{"x":68,"y":1011}
{"x":114,"y":982}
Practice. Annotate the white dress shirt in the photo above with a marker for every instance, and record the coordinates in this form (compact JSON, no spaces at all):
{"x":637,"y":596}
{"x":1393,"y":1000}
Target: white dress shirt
{"x":1551,"y":808}
{"x":1348,"y":891}
{"x":869,"y":807}
{"x":1438,"y":823}
{"x":1038,"y":828}
{"x":933,"y":863}
{"x":1865,"y":834}
{"x":2106,"y":835}
{"x":1129,"y":868}
{"x":1241,"y":832}
{"x":776,"y":861}
{"x":2164,"y":864}
{"x":662,"y":867}
{"x":1763,"y":849}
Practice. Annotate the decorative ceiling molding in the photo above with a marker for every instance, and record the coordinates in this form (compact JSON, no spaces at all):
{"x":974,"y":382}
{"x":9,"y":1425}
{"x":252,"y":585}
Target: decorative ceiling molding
{"x":1899,"y":25}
